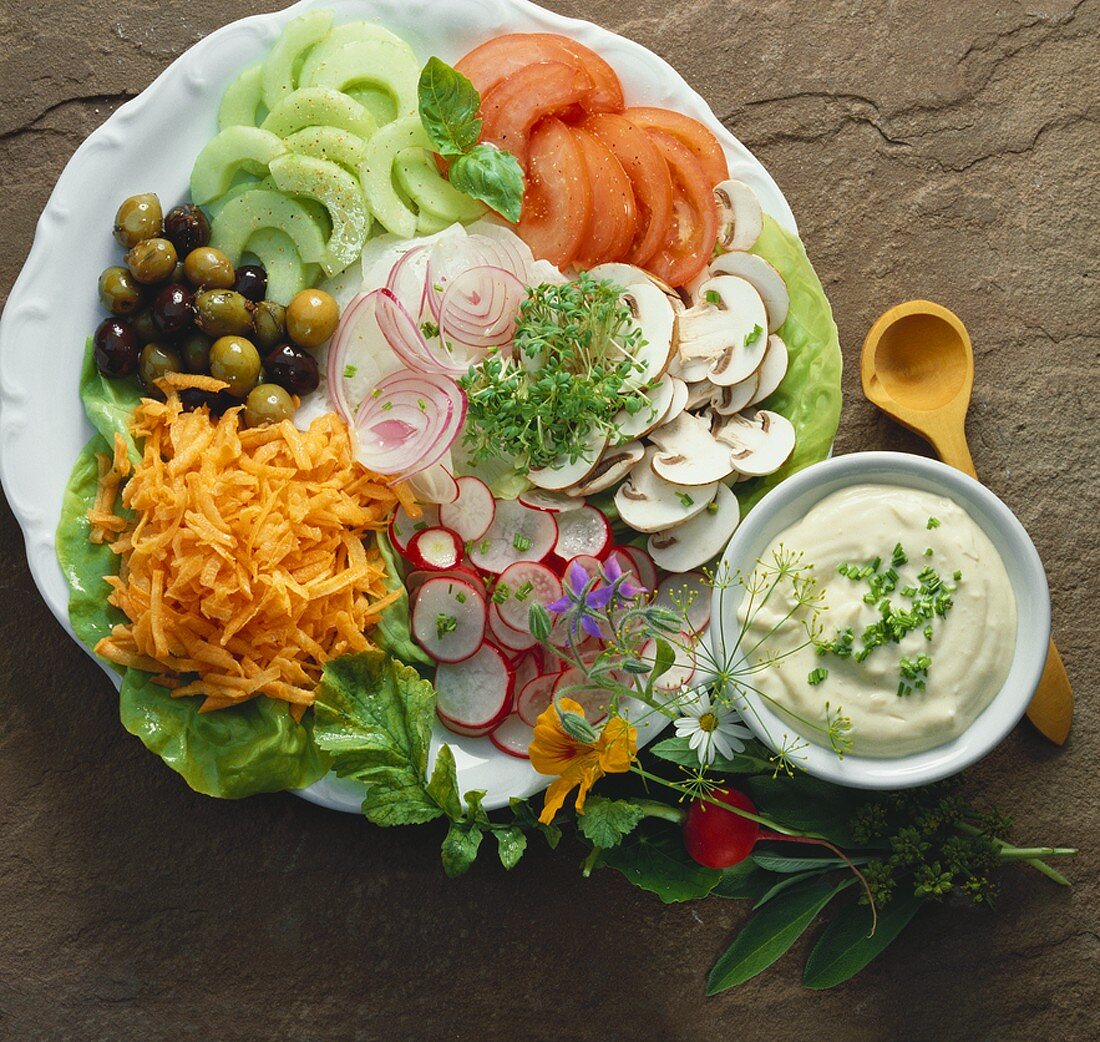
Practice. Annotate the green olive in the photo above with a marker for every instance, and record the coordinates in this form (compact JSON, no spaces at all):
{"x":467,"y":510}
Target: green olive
{"x":237,"y":362}
{"x":156,"y":360}
{"x":119,"y":291}
{"x":209,"y":268}
{"x":267,"y":403}
{"x":269,"y":324}
{"x":152,"y":260}
{"x":194,"y":349}
{"x":138,"y":218}
{"x":144,"y":326}
{"x":223,"y":312}
{"x":311,"y":317}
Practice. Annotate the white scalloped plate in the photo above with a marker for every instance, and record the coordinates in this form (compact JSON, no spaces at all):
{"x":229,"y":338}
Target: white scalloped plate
{"x":149,"y":145}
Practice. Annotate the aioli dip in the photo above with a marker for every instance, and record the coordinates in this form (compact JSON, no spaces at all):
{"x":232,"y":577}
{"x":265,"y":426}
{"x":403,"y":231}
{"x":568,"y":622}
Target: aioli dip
{"x":970,"y":649}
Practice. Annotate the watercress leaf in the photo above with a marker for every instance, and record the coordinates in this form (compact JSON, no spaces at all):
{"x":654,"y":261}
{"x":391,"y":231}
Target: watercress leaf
{"x":744,"y":881}
{"x":460,"y":846}
{"x":846,"y":946}
{"x":770,"y":932}
{"x":492,"y":175}
{"x":677,"y":750}
{"x":662,"y":659}
{"x":785,"y":882}
{"x":448,"y":104}
{"x":443,"y":785}
{"x":605,"y":822}
{"x":511,"y":843}
{"x":653,"y":858}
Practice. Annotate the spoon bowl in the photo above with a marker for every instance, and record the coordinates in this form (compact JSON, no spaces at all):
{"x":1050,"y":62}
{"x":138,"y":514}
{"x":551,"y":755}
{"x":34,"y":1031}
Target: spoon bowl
{"x":924,"y":361}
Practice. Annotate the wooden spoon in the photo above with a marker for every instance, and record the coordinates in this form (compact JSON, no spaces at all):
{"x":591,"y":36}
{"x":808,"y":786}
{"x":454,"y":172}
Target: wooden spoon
{"x":918,"y":368}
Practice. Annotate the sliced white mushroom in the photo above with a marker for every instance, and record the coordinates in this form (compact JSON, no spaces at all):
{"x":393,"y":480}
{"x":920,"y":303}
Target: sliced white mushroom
{"x":690,"y":370}
{"x":727,"y":400}
{"x":740,"y":219}
{"x":655,"y":319}
{"x":697,"y":541}
{"x":699,"y":394}
{"x":727,"y":327}
{"x":759,"y":441}
{"x":689,"y":454}
{"x":614,"y":465}
{"x":640,"y":423}
{"x":564,"y":472}
{"x":763,"y":277}
{"x":648,"y":503}
{"x":679,"y":400}
{"x":772,"y":369}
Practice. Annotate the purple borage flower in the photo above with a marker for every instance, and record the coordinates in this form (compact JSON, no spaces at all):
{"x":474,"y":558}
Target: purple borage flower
{"x":582,"y":594}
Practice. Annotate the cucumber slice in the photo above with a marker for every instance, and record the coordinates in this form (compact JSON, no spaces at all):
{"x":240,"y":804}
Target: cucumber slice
{"x":349,"y":32}
{"x":244,"y":215}
{"x":376,"y":173}
{"x":243,"y":183}
{"x":376,"y":62}
{"x":278,"y":69}
{"x":219,"y":161}
{"x":331,"y":143}
{"x":287,"y":273}
{"x":319,"y":107}
{"x":428,"y":223}
{"x":419,"y":178}
{"x":376,"y":101}
{"x":338,"y":192}
{"x":242,"y":99}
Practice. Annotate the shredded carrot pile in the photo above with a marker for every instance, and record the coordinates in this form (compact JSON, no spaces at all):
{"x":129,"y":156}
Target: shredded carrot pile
{"x":244,"y":569}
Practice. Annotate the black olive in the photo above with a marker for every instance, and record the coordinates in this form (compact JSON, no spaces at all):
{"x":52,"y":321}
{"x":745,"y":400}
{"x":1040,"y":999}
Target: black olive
{"x":194,"y":349}
{"x":145,"y":329}
{"x":292,"y":369}
{"x":221,"y":402}
{"x":187,"y":228}
{"x":116,"y":348}
{"x":193,"y":398}
{"x":174,"y":308}
{"x":251,"y":282}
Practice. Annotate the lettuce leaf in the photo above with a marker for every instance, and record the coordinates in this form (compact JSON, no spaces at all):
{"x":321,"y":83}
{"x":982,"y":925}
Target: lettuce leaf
{"x":394,"y":633}
{"x":109,"y":404}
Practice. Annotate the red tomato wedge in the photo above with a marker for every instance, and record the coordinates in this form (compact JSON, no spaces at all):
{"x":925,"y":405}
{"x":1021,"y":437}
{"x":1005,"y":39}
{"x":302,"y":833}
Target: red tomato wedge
{"x":649,"y":177}
{"x":513,"y":107}
{"x":615,"y":215}
{"x":691,"y":234}
{"x":557,"y":205}
{"x":703,"y":144}
{"x":494,"y":61}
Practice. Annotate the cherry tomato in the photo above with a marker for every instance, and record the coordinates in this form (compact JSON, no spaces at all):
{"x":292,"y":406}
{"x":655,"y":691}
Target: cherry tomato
{"x":608,"y":93}
{"x":689,"y":238}
{"x":557,"y":205}
{"x":719,"y":838}
{"x":649,"y":177}
{"x":611,"y":233}
{"x":512,"y":108}
{"x":703,"y":144}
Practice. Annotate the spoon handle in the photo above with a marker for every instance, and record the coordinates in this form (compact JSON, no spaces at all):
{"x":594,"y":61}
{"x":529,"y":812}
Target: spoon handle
{"x":950,"y":445}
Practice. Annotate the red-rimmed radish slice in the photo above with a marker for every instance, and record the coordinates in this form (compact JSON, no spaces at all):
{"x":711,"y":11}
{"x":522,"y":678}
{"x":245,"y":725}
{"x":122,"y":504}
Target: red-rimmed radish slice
{"x":415,"y":579}
{"x":643,"y":566}
{"x":513,"y":737}
{"x":592,"y":699}
{"x":526,"y":668}
{"x":471,"y":513}
{"x":467,"y":732}
{"x":682,"y":671}
{"x":535,"y":696}
{"x":520,"y":585}
{"x":590,"y":565}
{"x":475,"y":692}
{"x":582,"y":531}
{"x":435,"y":548}
{"x":509,"y":639}
{"x":518,"y":533}
{"x":448,"y":619}
{"x":403,"y":527}
{"x":689,"y":596}
{"x":552,"y":502}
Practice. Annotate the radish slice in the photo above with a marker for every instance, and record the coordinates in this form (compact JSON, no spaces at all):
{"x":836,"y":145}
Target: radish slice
{"x":551,"y":502}
{"x":513,"y":737}
{"x":466,"y":732}
{"x":435,"y":548}
{"x":590,"y":564}
{"x":582,"y":531}
{"x":526,"y":667}
{"x":592,"y":699}
{"x":414,"y":580}
{"x":518,"y":533}
{"x":520,"y":585}
{"x":641,"y":565}
{"x":448,"y":619}
{"x":472,"y":511}
{"x":403,"y":527}
{"x":475,"y":692}
{"x":510,"y":639}
{"x":689,"y":596}
{"x":682,"y":671}
{"x":535,"y":696}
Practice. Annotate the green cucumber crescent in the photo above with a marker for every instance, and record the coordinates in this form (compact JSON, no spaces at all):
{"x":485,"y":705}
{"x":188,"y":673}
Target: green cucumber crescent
{"x":244,"y":215}
{"x":376,"y":173}
{"x":319,"y":107}
{"x":224,"y":154}
{"x":298,"y":37}
{"x":242,"y":99}
{"x":379,"y":63}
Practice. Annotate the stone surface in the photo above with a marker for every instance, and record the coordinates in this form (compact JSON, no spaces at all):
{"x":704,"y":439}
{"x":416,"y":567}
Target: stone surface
{"x":945,"y":150}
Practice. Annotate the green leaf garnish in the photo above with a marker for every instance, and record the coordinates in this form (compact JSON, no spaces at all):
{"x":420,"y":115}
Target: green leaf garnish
{"x":493,"y":176}
{"x":605,"y":822}
{"x":448,"y":104}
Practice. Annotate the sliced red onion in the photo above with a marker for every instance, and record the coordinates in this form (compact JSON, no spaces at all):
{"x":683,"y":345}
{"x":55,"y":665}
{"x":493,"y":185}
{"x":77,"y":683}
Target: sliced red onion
{"x":436,"y":484}
{"x":338,"y":352}
{"x":408,"y":280}
{"x":503,"y":251}
{"x":419,"y":353}
{"x":480,"y":306}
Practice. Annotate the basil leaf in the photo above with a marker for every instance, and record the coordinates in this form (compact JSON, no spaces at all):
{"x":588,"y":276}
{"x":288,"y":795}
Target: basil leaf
{"x":605,"y":822}
{"x":493,"y":176}
{"x":771,"y":932}
{"x":653,"y":858}
{"x":844,"y":948}
{"x":663,"y":659}
{"x":448,"y":104}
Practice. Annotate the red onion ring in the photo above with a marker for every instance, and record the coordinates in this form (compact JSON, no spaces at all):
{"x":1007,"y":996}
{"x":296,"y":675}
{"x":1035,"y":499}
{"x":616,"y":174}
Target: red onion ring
{"x":337,"y":356}
{"x":480,"y":306}
{"x":408,"y":279}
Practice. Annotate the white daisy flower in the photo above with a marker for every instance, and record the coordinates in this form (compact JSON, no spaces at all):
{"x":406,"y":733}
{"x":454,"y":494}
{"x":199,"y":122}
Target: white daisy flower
{"x":711,"y":730}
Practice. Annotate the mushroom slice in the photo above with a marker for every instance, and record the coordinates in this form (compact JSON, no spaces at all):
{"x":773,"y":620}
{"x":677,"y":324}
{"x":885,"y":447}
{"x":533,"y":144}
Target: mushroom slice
{"x":759,"y":441}
{"x":614,"y":465}
{"x":763,"y":277}
{"x":726,"y":327}
{"x":639,"y":424}
{"x":728,"y":400}
{"x":699,"y":393}
{"x":679,"y":400}
{"x":564,"y":472}
{"x":772,"y":369}
{"x":655,"y":318}
{"x":648,"y":503}
{"x":625,"y":275}
{"x":689,"y":454}
{"x":690,"y":370}
{"x":697,"y":541}
{"x":740,"y":219}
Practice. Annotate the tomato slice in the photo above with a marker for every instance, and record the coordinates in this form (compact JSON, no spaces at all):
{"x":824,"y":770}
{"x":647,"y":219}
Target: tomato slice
{"x":615,"y":214}
{"x":608,"y":93}
{"x":649,"y":177}
{"x":690,"y":236}
{"x":703,"y":144}
{"x":513,"y":107}
{"x":557,"y":205}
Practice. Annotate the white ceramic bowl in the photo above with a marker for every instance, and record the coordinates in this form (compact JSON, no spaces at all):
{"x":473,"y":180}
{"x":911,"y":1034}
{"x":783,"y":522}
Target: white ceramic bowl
{"x":793,"y":499}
